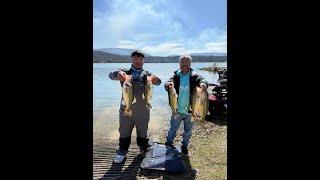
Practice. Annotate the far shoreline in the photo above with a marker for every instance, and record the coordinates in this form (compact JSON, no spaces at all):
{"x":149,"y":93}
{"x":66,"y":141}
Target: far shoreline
{"x":163,"y":62}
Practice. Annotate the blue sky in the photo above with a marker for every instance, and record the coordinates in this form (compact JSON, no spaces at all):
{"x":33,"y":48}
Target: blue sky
{"x":161,"y":27}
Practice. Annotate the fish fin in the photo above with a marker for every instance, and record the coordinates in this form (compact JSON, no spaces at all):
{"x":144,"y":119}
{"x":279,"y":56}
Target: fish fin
{"x":203,"y":117}
{"x":123,"y":102}
{"x":195,"y":117}
{"x":199,"y":116}
{"x":148,"y":105}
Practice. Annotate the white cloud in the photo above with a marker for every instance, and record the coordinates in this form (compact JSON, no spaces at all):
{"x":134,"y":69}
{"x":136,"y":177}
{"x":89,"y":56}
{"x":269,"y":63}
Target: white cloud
{"x":133,"y":20}
{"x":148,"y":37}
{"x":164,"y":49}
{"x":216,"y":47}
{"x":129,"y":44}
{"x":149,"y":26}
{"x":209,"y":40}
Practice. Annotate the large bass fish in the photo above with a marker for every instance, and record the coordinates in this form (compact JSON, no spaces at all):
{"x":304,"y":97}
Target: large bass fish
{"x":148,"y":92}
{"x":200,"y":103}
{"x":127,"y":95}
{"x":173,"y":101}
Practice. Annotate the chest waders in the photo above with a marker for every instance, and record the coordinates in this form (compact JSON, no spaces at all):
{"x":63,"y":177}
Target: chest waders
{"x":140,"y":119}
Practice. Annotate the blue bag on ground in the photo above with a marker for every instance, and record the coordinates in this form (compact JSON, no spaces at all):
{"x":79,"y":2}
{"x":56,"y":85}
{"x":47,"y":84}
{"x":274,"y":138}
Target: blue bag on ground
{"x":164,"y":158}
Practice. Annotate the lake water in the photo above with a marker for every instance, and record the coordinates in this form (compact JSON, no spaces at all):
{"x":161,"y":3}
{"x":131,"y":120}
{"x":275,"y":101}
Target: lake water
{"x":107,"y":95}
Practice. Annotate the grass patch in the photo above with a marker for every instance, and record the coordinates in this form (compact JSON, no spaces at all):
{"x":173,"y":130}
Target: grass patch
{"x":208,"y":150}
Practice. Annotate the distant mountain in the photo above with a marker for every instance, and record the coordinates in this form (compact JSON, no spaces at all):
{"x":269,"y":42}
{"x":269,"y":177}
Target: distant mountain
{"x":208,"y":54}
{"x":127,"y":52}
{"x":118,"y":51}
{"x":174,"y":55}
{"x":104,"y":57}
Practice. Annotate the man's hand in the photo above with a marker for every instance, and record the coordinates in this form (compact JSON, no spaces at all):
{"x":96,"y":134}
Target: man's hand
{"x":121,"y":76}
{"x":154,"y":79}
{"x":203,"y":86}
{"x":170,"y":85}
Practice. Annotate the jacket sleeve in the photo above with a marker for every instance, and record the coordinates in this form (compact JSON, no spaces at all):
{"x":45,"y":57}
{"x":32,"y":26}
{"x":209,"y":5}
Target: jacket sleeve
{"x":114,"y":74}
